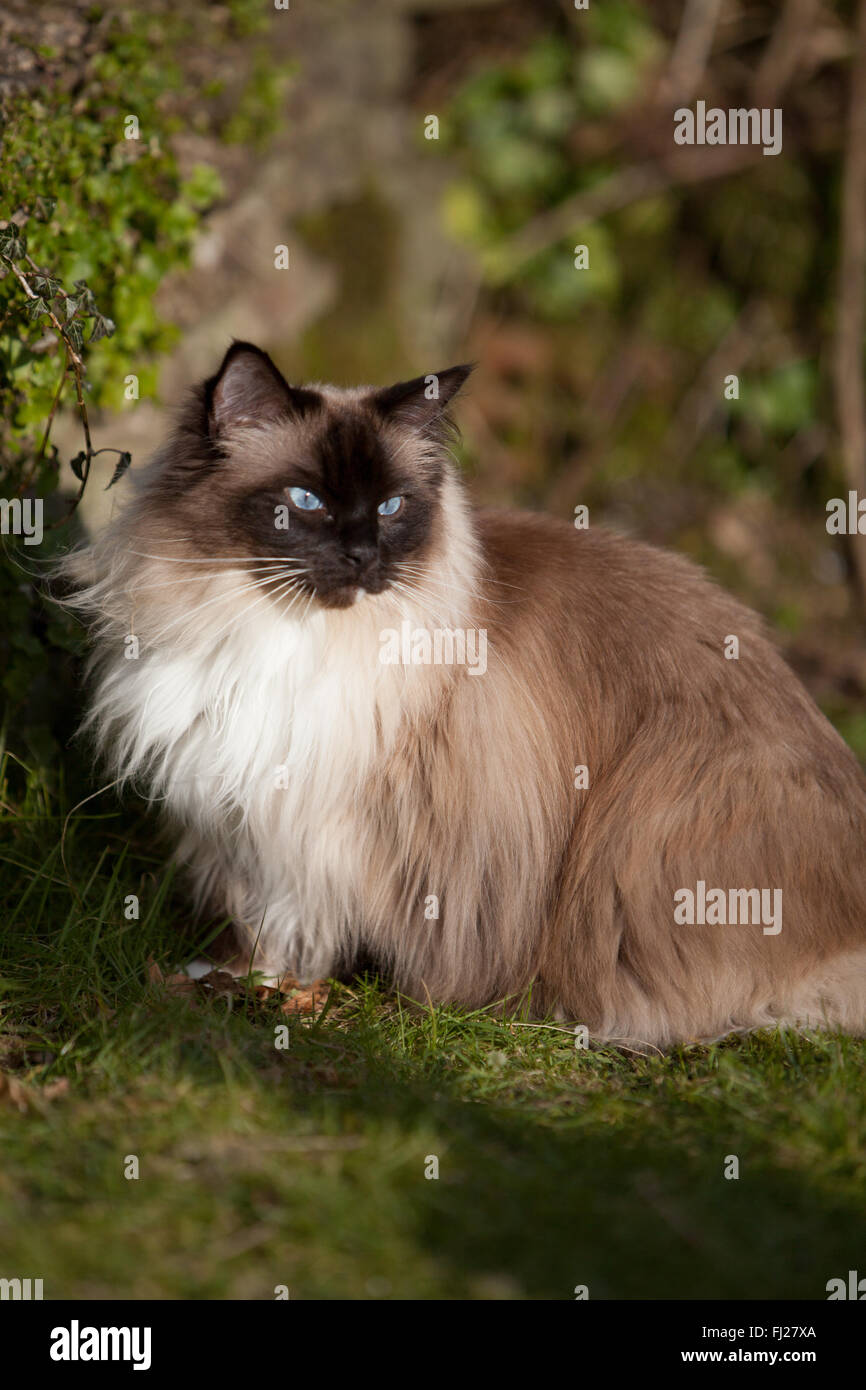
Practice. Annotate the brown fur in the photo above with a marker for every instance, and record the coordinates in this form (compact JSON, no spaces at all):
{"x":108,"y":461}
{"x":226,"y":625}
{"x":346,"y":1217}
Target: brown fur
{"x":603,"y":652}
{"x":611,"y":654}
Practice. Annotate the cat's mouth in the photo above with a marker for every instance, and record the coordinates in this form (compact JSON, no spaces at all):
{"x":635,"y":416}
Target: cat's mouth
{"x":345,"y":595}
{"x":326,"y":591}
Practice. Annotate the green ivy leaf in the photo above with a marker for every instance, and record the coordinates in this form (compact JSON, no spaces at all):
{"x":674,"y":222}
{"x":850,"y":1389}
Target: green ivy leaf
{"x":85,"y":295}
{"x":43,"y":208}
{"x":46,"y":284}
{"x":13,"y":243}
{"x":102,"y":328}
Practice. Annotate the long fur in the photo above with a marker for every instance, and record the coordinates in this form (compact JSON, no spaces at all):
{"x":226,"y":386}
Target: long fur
{"x":325,"y":801}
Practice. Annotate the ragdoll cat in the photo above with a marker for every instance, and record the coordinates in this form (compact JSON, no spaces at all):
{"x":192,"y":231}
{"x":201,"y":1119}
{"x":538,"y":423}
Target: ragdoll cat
{"x":612,"y":814}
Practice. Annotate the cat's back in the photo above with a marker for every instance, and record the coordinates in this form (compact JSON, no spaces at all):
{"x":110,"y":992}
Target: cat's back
{"x":637,"y":630}
{"x":601,"y":577}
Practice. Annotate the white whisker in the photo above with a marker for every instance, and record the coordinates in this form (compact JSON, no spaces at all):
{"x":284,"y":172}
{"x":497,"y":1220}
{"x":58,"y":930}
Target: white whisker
{"x":217,"y":598}
{"x":135,"y":588}
{"x":213,"y":559}
{"x":430,"y":597}
{"x":236,"y":618}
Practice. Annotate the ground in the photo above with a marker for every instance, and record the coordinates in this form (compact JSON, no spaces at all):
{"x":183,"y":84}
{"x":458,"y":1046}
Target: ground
{"x":306,"y":1166}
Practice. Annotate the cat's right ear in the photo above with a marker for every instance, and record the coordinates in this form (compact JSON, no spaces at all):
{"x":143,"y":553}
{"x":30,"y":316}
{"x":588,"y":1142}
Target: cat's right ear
{"x":249,"y":390}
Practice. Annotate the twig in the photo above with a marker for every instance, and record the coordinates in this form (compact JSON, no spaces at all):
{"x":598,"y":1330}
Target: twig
{"x":782,"y":54}
{"x":628,"y":186}
{"x":703,"y":400}
{"x":848,"y":363}
{"x":58,"y":326}
{"x":26,"y":482}
{"x":691,"y":49}
{"x":73,"y":360}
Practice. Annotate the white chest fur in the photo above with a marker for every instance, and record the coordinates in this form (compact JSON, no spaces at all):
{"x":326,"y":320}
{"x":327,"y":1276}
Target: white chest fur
{"x":259,"y":736}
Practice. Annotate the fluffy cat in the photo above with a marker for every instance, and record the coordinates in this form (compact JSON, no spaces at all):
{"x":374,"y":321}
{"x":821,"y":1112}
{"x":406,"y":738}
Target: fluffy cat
{"x":333,"y":803}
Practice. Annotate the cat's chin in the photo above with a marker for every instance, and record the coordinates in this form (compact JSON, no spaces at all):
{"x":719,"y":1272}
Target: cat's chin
{"x":342,"y":598}
{"x":347,"y":597}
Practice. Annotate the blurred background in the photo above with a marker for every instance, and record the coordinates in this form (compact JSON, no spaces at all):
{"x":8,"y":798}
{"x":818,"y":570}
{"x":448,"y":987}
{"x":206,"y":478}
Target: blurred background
{"x":430,"y":167}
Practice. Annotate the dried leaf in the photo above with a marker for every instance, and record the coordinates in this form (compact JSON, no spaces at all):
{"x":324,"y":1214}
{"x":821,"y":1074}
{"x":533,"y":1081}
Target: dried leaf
{"x":154,"y":974}
{"x":180,"y":984}
{"x":56,"y":1088}
{"x":24,"y":1097}
{"x":120,"y":468}
{"x":306,"y":1001}
{"x":220,"y":984}
{"x":13,"y":1092}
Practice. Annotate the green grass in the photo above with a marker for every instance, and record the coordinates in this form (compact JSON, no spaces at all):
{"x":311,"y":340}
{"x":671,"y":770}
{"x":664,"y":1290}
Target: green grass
{"x":305,"y":1167}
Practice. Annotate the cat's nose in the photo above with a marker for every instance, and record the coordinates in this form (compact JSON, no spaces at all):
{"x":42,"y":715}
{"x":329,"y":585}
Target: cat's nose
{"x":360,"y":555}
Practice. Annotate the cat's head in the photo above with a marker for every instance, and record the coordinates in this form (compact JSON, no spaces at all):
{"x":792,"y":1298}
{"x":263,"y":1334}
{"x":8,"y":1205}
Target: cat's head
{"x":345,"y":486}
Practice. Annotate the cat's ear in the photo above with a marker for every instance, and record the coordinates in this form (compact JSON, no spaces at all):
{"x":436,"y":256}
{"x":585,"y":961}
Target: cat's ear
{"x":249,"y":390}
{"x":420,"y":403}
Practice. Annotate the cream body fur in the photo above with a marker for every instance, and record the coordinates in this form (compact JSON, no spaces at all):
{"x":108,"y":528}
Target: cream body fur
{"x":331,"y":804}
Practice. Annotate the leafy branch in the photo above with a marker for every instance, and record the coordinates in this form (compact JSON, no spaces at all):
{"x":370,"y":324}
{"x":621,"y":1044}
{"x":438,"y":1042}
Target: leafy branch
{"x":68,"y":315}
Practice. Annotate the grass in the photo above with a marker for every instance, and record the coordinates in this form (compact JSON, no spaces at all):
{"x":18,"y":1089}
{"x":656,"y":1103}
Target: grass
{"x":305,"y":1166}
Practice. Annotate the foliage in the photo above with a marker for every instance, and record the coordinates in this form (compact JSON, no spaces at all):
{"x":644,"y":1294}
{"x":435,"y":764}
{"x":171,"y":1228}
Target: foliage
{"x":93,"y":222}
{"x":676,"y":273}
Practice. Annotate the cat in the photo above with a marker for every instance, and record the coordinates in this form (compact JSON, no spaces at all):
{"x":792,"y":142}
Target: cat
{"x":594,"y":826}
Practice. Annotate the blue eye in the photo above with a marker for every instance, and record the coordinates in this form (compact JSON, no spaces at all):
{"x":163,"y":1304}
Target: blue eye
{"x":305,"y":501}
{"x":392,"y":505}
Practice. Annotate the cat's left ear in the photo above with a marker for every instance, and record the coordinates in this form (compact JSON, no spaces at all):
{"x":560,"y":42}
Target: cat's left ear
{"x":420,"y":403}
